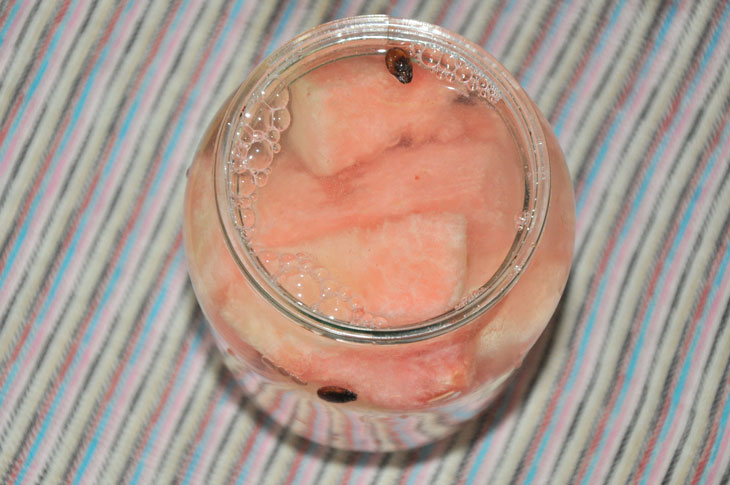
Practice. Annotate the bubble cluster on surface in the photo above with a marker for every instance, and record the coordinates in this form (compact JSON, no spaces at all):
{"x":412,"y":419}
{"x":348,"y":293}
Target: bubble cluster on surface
{"x":255,"y":142}
{"x":312,"y":285}
{"x":453,"y":69}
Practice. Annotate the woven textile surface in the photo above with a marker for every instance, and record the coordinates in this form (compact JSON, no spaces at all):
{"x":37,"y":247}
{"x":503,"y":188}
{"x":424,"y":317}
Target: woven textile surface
{"x":108,"y":372}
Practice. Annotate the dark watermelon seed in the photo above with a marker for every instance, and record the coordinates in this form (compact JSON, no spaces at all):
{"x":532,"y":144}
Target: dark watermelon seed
{"x":336,"y":394}
{"x":399,"y":64}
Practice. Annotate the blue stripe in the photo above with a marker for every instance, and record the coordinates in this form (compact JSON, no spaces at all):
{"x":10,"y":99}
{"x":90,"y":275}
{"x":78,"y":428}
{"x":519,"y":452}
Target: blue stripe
{"x":225,"y":397}
{"x":486,"y":445}
{"x":595,"y":57}
{"x":422,"y":454}
{"x":182,"y":376}
{"x":21,"y":239}
{"x":359,"y":466}
{"x":9,"y":22}
{"x":504,"y":14}
{"x":282,"y":400}
{"x":341,"y":10}
{"x":285,"y":17}
{"x":40,"y":74}
{"x":593,"y":315}
{"x":141,"y":342}
{"x":545,"y":44}
{"x":309,"y":455}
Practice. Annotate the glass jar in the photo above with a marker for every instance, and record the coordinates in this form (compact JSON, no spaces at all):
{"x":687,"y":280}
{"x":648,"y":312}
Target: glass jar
{"x":328,"y":379}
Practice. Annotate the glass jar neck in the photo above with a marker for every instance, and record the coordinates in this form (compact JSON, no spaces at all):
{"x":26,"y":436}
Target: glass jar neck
{"x":367,"y":34}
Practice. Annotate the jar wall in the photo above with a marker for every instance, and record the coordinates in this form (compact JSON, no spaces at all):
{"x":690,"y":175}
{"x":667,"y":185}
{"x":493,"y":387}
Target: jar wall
{"x":397,"y":395}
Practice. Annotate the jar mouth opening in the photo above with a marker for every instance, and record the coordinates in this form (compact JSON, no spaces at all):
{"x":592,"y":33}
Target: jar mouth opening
{"x":381,"y":29}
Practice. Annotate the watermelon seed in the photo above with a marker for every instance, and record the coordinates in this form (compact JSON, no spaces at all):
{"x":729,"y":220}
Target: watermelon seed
{"x":336,"y":394}
{"x":399,"y":64}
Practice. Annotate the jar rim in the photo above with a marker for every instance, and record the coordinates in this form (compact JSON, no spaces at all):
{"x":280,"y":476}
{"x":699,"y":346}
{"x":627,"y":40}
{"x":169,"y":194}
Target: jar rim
{"x":388,"y":30}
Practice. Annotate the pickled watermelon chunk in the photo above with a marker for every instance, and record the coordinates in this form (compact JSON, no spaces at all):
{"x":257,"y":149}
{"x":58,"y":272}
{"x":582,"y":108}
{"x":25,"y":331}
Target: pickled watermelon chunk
{"x":387,"y":377}
{"x":349,"y":110}
{"x":405,"y":270}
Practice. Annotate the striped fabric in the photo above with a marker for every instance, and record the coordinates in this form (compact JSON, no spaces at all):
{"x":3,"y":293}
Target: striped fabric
{"x":108,"y":372}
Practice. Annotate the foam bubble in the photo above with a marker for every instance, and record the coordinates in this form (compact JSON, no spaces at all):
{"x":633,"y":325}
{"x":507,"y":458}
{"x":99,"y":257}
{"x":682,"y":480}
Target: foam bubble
{"x":333,"y":307}
{"x":259,"y":156}
{"x":270,"y":261}
{"x":245,"y":185}
{"x":262,"y":178}
{"x":248,"y":218}
{"x":329,"y":288}
{"x":278,"y":99}
{"x":448,"y":62}
{"x":244,"y":203}
{"x":259,"y":118}
{"x":311,"y":285}
{"x":281,"y":119}
{"x":302,"y":286}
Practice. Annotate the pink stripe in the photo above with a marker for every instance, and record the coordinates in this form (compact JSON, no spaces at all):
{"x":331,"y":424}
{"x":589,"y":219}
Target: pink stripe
{"x":430,"y":464}
{"x":460,"y":14}
{"x":370,"y":469}
{"x":225,"y":411}
{"x":547,"y":55}
{"x":721,"y":461}
{"x":270,"y":440}
{"x":70,"y":278}
{"x":182,"y":391}
{"x":693,"y":378}
{"x":292,"y":27}
{"x":704,"y":343}
{"x":193,"y":121}
{"x":209,"y":416}
{"x":303,"y":471}
{"x":598,"y":68}
{"x":504,"y":28}
{"x":10,"y":41}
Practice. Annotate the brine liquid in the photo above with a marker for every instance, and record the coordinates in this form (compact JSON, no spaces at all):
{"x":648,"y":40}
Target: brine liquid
{"x":376,"y":202}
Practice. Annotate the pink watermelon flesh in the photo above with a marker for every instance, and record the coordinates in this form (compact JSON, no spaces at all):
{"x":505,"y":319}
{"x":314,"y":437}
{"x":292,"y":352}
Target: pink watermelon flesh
{"x":296,"y":206}
{"x":405,"y":270}
{"x":351,"y":109}
{"x":475,"y":179}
